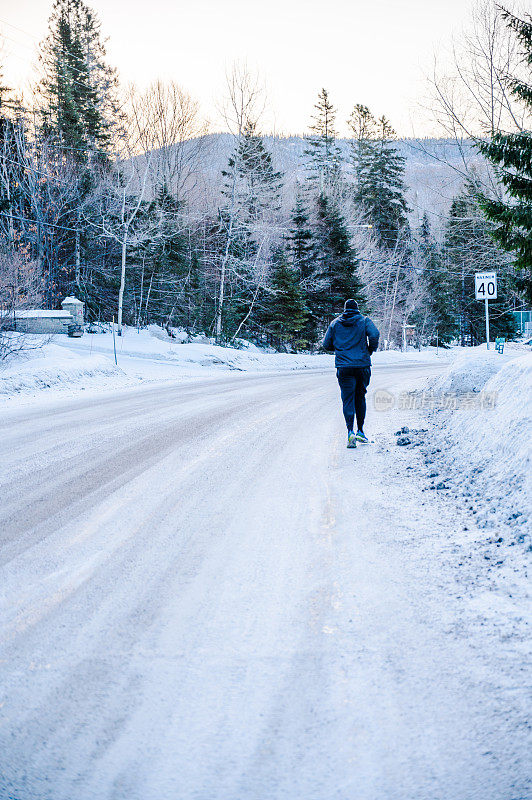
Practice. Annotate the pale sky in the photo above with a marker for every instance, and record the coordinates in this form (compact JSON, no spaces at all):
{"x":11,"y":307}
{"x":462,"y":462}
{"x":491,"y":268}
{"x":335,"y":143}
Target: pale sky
{"x":375,"y":52}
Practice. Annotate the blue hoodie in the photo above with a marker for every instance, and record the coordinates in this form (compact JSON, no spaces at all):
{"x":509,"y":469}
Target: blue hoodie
{"x":353,"y":338}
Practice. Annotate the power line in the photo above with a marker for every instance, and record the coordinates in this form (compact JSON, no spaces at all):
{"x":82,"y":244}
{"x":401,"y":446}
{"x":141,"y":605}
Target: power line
{"x":84,"y":150}
{"x":47,"y":175}
{"x":26,"y":167}
{"x":29,"y":47}
{"x":418,"y":270}
{"x":404,"y":267}
{"x":18,"y":29}
{"x":73,"y":80}
{"x":86,"y":86}
{"x":60,"y":146}
{"x":39,"y":222}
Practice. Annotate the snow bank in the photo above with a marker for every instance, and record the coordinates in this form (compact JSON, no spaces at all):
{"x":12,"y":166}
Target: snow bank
{"x":200,"y":351}
{"x":489,"y":449}
{"x":53,"y":366}
{"x":136,"y":348}
{"x":393,"y":357}
{"x":471,"y":369}
{"x":152,"y":355}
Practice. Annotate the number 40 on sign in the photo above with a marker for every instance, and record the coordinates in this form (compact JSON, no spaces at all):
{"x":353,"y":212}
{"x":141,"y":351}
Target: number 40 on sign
{"x":485,"y":285}
{"x":486,"y":289}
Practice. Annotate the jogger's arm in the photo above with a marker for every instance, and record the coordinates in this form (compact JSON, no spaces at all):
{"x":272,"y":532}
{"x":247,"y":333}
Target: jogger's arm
{"x":328,"y":341}
{"x":372,"y":332}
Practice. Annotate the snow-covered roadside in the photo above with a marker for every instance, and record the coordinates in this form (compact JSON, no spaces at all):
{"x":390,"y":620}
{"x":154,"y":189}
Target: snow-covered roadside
{"x":476,"y":461}
{"x":485,"y":450}
{"x":468,"y":585}
{"x":135,"y":348}
{"x":68,"y":366}
{"x":52,"y":367}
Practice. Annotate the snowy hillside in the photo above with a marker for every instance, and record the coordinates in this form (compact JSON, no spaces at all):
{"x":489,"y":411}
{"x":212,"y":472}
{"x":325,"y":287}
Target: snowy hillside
{"x":433,"y":173}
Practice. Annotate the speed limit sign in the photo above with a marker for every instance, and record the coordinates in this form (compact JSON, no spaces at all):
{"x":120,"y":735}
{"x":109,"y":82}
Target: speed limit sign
{"x":486,"y":289}
{"x":485,"y":285}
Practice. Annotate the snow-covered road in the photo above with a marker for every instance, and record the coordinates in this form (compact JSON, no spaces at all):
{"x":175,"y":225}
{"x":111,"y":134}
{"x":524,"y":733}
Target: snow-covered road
{"x":205,"y":596}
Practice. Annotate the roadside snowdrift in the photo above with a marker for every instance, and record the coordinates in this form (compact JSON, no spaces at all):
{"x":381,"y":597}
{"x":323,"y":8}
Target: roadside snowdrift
{"x":470,"y":370}
{"x":151,"y":355}
{"x":136,"y":348}
{"x":53,"y":366}
{"x":488,"y":450}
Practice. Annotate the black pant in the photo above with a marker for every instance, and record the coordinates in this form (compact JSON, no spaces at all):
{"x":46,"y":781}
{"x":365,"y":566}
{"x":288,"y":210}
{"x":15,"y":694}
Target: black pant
{"x":353,"y":384}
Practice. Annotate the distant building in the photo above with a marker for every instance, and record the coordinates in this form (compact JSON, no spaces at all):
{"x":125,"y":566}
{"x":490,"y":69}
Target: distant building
{"x":409,"y":335}
{"x":523,"y":322}
{"x":39,"y":320}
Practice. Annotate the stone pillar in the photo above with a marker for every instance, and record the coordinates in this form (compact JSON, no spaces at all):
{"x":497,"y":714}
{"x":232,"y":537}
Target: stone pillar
{"x":75,"y":308}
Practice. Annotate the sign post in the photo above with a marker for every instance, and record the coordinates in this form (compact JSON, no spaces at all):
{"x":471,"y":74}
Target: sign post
{"x":487,"y":323}
{"x":486,"y":289}
{"x":114,"y":340}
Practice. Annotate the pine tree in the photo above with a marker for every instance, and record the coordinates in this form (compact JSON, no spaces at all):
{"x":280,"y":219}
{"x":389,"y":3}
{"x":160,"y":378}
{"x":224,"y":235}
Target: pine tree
{"x":364,"y":128}
{"x":258,"y":185}
{"x":79,"y":116}
{"x":468,"y":248}
{"x":441,"y":289}
{"x":379,"y":169}
{"x":322,"y":152}
{"x":335,"y":278}
{"x":14,"y":147}
{"x":163,"y":254}
{"x":287,"y":312}
{"x":300,"y":243}
{"x":78,"y":103}
{"x":425,"y":232}
{"x":252,"y":193}
{"x":8,"y":178}
{"x":511,"y":153}
{"x":194,"y":296}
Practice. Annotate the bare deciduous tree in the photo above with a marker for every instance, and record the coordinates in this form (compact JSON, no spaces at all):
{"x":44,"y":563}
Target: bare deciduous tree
{"x":473,"y":97}
{"x":166,"y":122}
{"x":470,"y":95}
{"x":243,"y":106}
{"x":114,"y":205}
{"x":20,"y":288}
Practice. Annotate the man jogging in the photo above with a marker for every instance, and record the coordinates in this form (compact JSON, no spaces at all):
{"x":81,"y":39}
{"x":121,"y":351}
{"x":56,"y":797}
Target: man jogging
{"x":353,"y":338}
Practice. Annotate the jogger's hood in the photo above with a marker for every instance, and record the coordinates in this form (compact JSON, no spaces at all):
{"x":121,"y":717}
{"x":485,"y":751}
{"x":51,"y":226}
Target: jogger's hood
{"x":350,"y":317}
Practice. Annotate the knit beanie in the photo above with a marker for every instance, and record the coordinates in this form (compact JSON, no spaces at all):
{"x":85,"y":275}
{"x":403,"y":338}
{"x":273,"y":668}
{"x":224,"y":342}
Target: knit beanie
{"x":350,"y":305}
